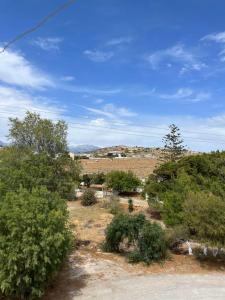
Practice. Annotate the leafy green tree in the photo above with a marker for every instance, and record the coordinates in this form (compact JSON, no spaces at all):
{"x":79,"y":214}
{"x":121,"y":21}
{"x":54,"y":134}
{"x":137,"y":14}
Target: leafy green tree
{"x":22,"y":167}
{"x":121,"y":181}
{"x":34,"y":240}
{"x":173,"y":145}
{"x":204,"y":217}
{"x":39,"y":135}
{"x":38,"y":157}
{"x":171,"y":183}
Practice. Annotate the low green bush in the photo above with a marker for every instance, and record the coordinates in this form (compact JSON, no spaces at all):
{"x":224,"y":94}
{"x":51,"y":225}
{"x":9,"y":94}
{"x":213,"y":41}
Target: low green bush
{"x":88,"y":198}
{"x":151,"y":244}
{"x":147,"y":240}
{"x":34,"y":241}
{"x":130,"y":205}
{"x":114,"y":206}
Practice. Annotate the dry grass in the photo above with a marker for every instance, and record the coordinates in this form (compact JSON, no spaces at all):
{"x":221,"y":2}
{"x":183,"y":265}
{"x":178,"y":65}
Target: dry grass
{"x":142,"y":167}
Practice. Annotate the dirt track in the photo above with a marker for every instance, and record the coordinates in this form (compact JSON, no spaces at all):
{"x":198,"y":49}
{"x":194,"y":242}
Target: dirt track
{"x":157,"y":287}
{"x":93,"y":274}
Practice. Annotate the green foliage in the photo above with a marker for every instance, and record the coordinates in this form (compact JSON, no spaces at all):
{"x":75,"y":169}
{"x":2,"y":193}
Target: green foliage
{"x":151,"y":245}
{"x":204,"y":217}
{"x":171,"y":182}
{"x":170,"y":187}
{"x":87,"y":180}
{"x":121,"y":181}
{"x":148,"y":240}
{"x":38,"y":135}
{"x":130,"y":205}
{"x":88,"y":198}
{"x":114,"y":205}
{"x":34,"y":240}
{"x":20,"y":167}
{"x":173,"y":145}
{"x":96,"y":178}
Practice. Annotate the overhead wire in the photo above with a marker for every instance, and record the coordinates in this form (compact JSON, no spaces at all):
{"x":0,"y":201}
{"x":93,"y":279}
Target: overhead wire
{"x":38,"y":25}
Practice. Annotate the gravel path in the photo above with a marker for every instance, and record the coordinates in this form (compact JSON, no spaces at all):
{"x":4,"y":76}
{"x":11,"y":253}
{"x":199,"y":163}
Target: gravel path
{"x":157,"y":287}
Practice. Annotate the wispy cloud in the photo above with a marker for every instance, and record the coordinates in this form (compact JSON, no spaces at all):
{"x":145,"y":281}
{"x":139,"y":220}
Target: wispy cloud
{"x":47,"y":44}
{"x":111,"y":111}
{"x":177,"y":54}
{"x":98,"y":56}
{"x":15,"y":102}
{"x":217,"y":38}
{"x":119,"y":41}
{"x":68,"y":78}
{"x":86,"y":90}
{"x":187,"y":95}
{"x":15,"y":69}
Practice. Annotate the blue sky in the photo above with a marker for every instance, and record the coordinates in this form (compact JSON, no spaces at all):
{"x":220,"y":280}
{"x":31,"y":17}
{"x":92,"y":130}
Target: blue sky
{"x":119,"y":72}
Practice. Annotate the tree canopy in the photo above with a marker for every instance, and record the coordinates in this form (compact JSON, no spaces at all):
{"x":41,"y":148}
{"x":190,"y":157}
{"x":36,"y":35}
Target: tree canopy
{"x":173,"y":145}
{"x":34,"y":239}
{"x":38,"y":134}
{"x":121,"y":181}
{"x":191,"y":192}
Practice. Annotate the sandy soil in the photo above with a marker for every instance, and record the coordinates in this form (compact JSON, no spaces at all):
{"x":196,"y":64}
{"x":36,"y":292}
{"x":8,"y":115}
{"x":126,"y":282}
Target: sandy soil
{"x":92,"y":274}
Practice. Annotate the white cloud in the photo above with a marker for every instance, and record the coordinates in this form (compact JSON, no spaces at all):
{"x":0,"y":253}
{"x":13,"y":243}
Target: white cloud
{"x":201,"y":134}
{"x":68,"y":78}
{"x":98,"y":56}
{"x":111,"y":111}
{"x":217,"y":38}
{"x":86,"y":91}
{"x":176,"y":54}
{"x":47,"y":44}
{"x":186,"y":94}
{"x":99,"y":100}
{"x":14,"y":103}
{"x":119,"y":41}
{"x":15,"y":69}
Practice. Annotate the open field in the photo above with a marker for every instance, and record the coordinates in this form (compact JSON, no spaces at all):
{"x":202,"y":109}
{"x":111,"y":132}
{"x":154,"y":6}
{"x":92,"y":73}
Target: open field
{"x":92,"y":274}
{"x":142,"y":167}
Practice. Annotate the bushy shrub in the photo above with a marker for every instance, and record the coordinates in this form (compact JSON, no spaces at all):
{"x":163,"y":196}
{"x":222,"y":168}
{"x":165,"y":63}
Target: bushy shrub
{"x":114,"y":206}
{"x":98,"y":178}
{"x":147,"y":240}
{"x":204,"y":217}
{"x":172,"y":182}
{"x":34,"y":240}
{"x":88,"y":198}
{"x":151,"y":244}
{"x":122,"y":227}
{"x":130,"y":205}
{"x":121,"y":181}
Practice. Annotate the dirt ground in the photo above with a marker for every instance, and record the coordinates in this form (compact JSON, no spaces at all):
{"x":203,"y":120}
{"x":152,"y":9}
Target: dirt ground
{"x":142,"y":167}
{"x":88,"y":265}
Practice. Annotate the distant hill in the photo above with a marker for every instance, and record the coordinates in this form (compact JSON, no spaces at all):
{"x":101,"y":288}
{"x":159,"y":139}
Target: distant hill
{"x":84,"y":148}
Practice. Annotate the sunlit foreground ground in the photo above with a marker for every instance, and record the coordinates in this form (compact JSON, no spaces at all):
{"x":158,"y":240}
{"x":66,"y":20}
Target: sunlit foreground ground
{"x":91,"y":274}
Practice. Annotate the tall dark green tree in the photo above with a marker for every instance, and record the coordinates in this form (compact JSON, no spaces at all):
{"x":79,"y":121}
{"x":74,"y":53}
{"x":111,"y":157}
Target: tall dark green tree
{"x":173,"y":145}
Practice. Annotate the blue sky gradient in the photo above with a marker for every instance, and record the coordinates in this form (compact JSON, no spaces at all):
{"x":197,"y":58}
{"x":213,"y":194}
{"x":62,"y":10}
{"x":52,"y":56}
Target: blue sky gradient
{"x":119,"y":72}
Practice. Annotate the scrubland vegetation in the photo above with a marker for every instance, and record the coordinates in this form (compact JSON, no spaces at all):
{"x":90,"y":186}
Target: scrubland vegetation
{"x":37,"y":176}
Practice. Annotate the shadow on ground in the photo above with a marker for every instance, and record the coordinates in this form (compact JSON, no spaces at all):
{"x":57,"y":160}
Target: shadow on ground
{"x":67,"y":284}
